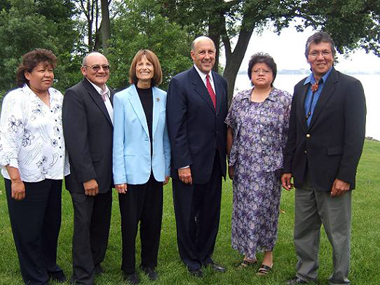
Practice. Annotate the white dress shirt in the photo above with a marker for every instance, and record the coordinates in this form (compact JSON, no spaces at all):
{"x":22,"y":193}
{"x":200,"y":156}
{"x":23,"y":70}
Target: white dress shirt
{"x":31,"y":136}
{"x":108,"y":100}
{"x":203,"y":77}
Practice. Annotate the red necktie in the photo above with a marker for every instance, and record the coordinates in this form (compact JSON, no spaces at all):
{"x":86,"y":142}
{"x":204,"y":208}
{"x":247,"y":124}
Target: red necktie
{"x":211,"y":91}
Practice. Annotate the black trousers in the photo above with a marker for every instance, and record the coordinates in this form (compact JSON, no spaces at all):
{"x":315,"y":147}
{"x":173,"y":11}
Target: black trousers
{"x":36,"y":221}
{"x":92,"y":218}
{"x":141,"y":203}
{"x":197,"y":212}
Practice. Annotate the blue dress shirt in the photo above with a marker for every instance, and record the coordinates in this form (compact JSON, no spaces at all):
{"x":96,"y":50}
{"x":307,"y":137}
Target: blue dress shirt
{"x":309,"y":95}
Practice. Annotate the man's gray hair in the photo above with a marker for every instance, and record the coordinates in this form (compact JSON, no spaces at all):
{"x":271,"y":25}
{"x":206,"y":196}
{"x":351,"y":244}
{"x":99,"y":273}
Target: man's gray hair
{"x":84,"y":61}
{"x":317,"y":38}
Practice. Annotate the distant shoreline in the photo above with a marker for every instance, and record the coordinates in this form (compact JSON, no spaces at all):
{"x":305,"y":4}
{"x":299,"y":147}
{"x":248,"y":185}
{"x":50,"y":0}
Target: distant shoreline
{"x":372,"y":139}
{"x":307,"y":72}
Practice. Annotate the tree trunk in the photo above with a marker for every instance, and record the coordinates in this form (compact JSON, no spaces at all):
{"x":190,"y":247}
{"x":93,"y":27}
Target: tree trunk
{"x":235,"y":58}
{"x":216,"y":40}
{"x":90,"y":17}
{"x":105,"y":25}
{"x":216,"y":21}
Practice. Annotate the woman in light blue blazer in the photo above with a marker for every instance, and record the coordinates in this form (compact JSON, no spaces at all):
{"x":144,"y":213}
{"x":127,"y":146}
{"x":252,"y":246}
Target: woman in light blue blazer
{"x":141,"y":161}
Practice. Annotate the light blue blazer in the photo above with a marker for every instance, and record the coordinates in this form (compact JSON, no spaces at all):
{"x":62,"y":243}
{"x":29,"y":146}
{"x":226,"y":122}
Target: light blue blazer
{"x":132,"y":160}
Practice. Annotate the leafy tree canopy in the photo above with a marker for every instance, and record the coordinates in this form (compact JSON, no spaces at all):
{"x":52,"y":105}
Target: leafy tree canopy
{"x":29,"y":24}
{"x":140,"y":26}
{"x":352,"y":23}
{"x":72,"y":27}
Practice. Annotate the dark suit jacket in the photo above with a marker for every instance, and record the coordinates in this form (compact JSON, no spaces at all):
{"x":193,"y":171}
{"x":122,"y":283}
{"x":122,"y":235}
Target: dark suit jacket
{"x":88,"y":132}
{"x":195,"y":128}
{"x":331,"y":146}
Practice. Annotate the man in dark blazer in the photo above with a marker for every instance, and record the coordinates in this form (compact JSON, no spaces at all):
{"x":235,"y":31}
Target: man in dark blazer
{"x":87,"y":124}
{"x":196,"y":109}
{"x":325,"y":142}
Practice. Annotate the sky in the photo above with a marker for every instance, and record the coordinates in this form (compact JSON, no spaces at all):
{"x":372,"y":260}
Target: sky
{"x":288,"y":49}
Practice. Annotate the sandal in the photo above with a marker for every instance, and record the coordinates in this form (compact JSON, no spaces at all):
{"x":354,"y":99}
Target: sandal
{"x":246,"y":263}
{"x":264,"y":270}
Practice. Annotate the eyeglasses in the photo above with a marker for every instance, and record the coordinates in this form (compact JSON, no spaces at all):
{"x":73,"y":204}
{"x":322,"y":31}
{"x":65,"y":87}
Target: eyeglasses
{"x":263,"y":71}
{"x":324,"y":53}
{"x":97,"y":67}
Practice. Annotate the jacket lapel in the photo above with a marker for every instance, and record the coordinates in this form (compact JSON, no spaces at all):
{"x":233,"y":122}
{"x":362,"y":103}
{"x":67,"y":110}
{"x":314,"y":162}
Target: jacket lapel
{"x":112,"y":93}
{"x":301,"y":107}
{"x":96,"y":98}
{"x":201,"y":89}
{"x":137,"y":107}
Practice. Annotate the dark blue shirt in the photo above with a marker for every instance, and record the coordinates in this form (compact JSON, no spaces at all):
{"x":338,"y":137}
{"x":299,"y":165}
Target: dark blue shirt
{"x":309,"y":95}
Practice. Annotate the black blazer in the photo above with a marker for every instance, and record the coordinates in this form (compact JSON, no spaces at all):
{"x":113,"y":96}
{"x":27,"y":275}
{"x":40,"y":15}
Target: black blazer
{"x":331,"y":146}
{"x":88,"y":132}
{"x":195,"y":128}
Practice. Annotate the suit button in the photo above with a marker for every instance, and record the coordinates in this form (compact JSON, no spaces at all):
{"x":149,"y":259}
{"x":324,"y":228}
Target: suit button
{"x":305,"y":151}
{"x":308,"y":135}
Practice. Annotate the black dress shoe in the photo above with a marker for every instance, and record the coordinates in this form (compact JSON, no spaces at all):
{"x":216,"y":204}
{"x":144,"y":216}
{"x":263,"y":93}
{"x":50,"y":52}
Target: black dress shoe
{"x":216,"y":267}
{"x":152,"y":274}
{"x":296,"y":280}
{"x":196,"y":272}
{"x":131,"y":278}
{"x":58,"y":276}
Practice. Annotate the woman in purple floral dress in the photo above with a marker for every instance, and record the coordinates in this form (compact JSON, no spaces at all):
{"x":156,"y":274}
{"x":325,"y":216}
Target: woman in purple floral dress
{"x":257,"y":127}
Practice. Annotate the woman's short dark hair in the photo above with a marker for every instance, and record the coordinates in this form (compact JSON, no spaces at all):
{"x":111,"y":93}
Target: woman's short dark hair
{"x":261,"y":57}
{"x":152,"y":58}
{"x":317,"y":38}
{"x":30,"y":60}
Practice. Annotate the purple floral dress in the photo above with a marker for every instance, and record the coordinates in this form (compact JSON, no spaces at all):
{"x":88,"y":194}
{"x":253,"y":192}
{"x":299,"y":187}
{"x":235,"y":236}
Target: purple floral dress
{"x":259,"y":136}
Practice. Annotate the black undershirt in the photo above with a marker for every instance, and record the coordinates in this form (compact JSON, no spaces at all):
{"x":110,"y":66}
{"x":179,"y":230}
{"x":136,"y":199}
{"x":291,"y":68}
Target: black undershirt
{"x":146,"y":98}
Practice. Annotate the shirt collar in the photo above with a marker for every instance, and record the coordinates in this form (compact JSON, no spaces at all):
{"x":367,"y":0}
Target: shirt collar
{"x":27,"y":89}
{"x":203,"y":75}
{"x":310,"y":79}
{"x":98,"y":89}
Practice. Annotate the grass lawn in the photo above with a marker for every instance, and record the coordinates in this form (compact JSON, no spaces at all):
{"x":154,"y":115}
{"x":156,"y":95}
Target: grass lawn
{"x":365,"y":241}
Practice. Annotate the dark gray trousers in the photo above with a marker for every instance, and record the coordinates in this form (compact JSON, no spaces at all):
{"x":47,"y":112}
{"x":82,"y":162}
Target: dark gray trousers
{"x":313,"y":209}
{"x":92,"y":218}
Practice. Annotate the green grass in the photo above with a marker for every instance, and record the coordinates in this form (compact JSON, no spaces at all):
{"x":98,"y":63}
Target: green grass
{"x":365,"y":243}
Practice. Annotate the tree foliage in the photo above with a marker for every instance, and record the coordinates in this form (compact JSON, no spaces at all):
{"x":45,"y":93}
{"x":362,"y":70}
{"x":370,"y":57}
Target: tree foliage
{"x":352,"y":23}
{"x":140,"y":26}
{"x":71,"y":28}
{"x":28,"y":24}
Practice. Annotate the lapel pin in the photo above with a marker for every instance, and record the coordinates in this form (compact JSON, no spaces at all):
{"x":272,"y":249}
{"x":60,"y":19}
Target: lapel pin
{"x":158,"y":99}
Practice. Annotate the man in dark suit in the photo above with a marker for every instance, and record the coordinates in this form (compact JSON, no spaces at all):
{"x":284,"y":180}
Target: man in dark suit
{"x":326,"y":136}
{"x":196,"y":109}
{"x":87,"y":124}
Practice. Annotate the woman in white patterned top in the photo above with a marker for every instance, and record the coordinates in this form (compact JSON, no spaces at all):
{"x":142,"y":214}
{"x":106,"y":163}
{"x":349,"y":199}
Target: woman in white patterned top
{"x":33,"y":164}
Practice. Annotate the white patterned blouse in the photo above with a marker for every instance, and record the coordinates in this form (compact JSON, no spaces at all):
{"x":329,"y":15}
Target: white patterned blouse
{"x":31,"y":136}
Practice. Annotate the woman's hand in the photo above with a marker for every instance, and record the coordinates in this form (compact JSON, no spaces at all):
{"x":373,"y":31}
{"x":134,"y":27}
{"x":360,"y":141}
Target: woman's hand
{"x":286,"y":180}
{"x":166,"y":180}
{"x":17,"y":186}
{"x":121,"y":188}
{"x":231,"y":172}
{"x":18,"y":190}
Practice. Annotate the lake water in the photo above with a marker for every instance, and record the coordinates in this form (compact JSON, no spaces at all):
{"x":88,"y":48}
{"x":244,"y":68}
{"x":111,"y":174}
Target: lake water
{"x":287,"y":82}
